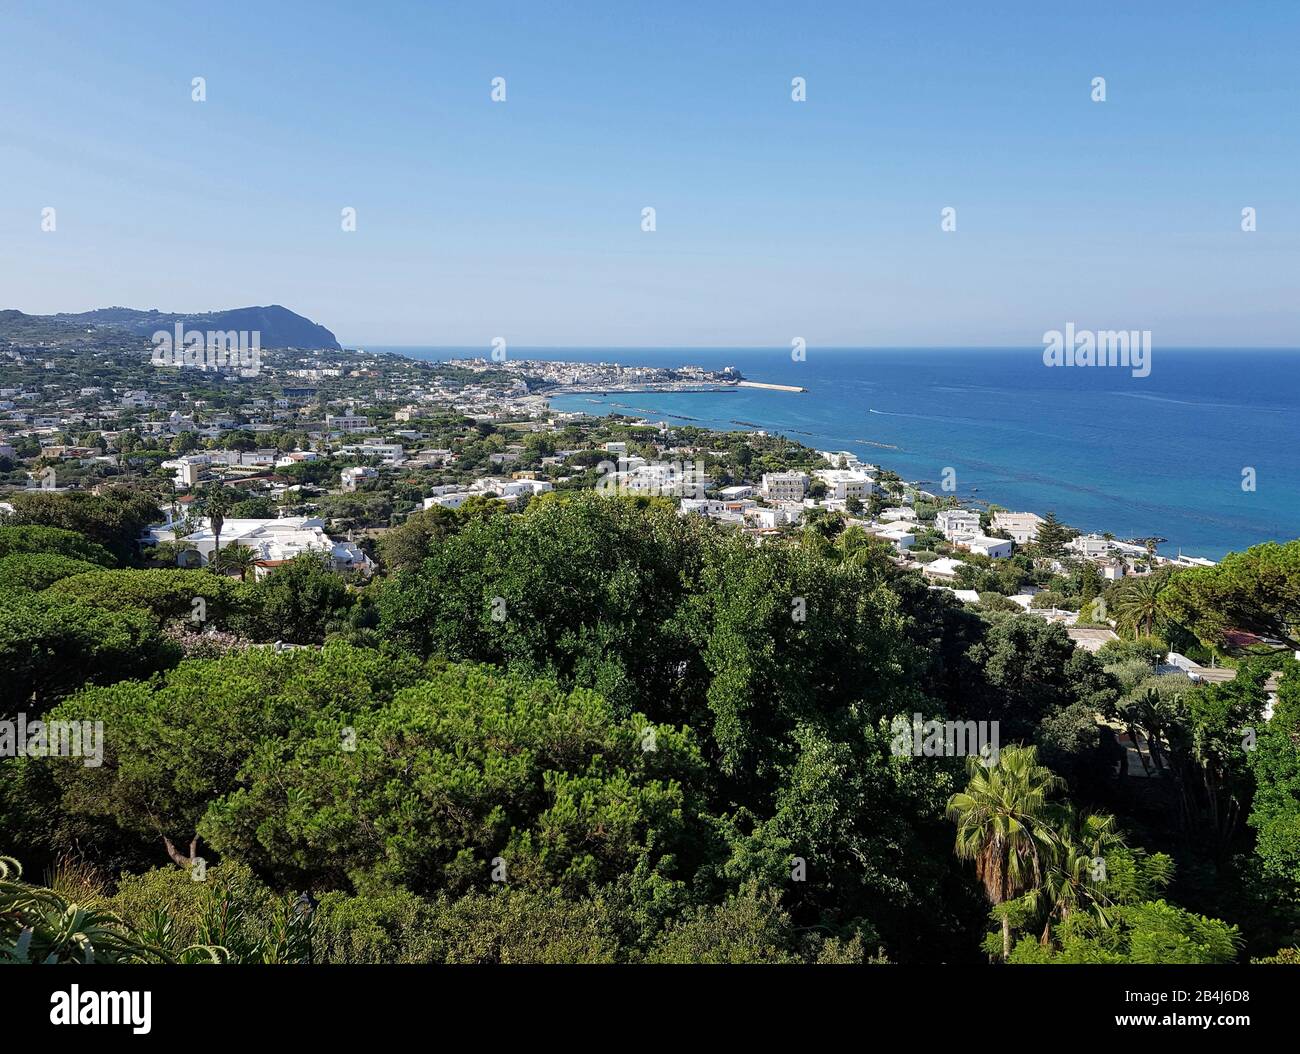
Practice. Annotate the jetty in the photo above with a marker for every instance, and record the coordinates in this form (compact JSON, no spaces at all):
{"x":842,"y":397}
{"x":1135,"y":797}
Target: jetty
{"x":770,"y":387}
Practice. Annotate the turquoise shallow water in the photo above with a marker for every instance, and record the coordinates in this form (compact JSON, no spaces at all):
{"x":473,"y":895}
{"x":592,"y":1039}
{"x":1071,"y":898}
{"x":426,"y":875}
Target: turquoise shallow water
{"x":1158,"y":455}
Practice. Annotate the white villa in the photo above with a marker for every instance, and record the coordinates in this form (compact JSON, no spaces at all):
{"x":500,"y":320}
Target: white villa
{"x":1021,"y":526}
{"x":351,"y":477}
{"x":843,"y":484}
{"x":506,"y":490}
{"x":902,"y":535}
{"x":954,"y":522}
{"x":1090,"y":546}
{"x":273,"y":542}
{"x":348,"y":423}
{"x":996,"y":548}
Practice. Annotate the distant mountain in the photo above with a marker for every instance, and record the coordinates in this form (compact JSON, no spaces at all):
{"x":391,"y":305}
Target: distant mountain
{"x":279,"y":327}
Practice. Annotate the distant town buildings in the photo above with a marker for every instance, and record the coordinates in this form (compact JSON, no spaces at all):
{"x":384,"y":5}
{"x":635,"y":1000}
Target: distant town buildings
{"x":842,"y":484}
{"x":957,"y":523}
{"x":348,"y":423}
{"x":356,"y":475}
{"x":785,"y":486}
{"x":1021,"y":527}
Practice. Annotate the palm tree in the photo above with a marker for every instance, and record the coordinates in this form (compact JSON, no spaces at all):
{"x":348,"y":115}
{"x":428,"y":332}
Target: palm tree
{"x":238,"y":558}
{"x":1076,"y":880}
{"x":1004,"y":824}
{"x":216,"y":503}
{"x":1140,"y":602}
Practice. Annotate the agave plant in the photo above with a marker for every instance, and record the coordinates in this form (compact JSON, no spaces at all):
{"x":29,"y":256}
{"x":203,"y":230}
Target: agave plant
{"x":40,"y":925}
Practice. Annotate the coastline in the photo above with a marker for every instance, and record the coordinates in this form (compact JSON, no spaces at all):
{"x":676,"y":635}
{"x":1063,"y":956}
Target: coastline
{"x":916,"y":485}
{"x":1160,"y":456}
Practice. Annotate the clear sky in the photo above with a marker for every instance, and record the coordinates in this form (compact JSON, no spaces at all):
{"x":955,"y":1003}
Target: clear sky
{"x":775,"y":219}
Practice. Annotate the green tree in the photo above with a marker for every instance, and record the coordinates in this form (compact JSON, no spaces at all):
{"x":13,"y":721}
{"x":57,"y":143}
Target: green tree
{"x":175,"y":746}
{"x":240,"y":559}
{"x":50,"y":645}
{"x":165,"y":593}
{"x":215,"y":501}
{"x":113,"y":519}
{"x":1136,"y":926}
{"x":405,"y":547}
{"x":1275,"y":763}
{"x":1075,"y":880}
{"x":1004,"y":824}
{"x":1257,"y":590}
{"x":300,"y":601}
{"x":1052,"y":536}
{"x":32,"y":572}
{"x":52,"y":541}
{"x":1138,"y":604}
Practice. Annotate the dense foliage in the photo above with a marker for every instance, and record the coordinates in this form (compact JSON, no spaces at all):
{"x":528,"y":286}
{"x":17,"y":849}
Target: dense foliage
{"x":599,"y":731}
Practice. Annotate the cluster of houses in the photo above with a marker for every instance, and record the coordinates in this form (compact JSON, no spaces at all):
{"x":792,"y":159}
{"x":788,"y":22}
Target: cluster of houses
{"x":510,"y":491}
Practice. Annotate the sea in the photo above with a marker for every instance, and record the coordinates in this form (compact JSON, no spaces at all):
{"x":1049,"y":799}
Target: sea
{"x":1203,"y":452}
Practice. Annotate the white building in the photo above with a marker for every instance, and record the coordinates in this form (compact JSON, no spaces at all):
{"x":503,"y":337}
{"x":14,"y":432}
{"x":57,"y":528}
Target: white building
{"x":954,"y":522}
{"x":388,"y":453}
{"x":711,"y":507}
{"x":843,"y":459}
{"x":1112,"y":570}
{"x":1090,"y":546}
{"x":944,"y":569}
{"x":519,"y":487}
{"x":348,"y":423}
{"x":966,"y":596}
{"x":1022,"y":527}
{"x":996,"y":548}
{"x":669,"y":478}
{"x":843,"y":484}
{"x":785,"y":486}
{"x":900,"y":536}
{"x":190,"y":468}
{"x":1090,"y":639}
{"x":297,"y":457}
{"x":273,"y":542}
{"x":356,"y":475}
{"x":451,"y":500}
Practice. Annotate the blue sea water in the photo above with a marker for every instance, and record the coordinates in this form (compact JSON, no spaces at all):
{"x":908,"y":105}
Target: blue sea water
{"x":1162,"y":455}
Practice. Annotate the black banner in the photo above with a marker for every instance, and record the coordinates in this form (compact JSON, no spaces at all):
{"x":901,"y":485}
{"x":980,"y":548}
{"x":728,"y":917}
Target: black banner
{"x":207,"y":1004}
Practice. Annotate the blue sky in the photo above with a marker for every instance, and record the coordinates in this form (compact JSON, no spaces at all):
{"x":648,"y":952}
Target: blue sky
{"x":775,"y":219}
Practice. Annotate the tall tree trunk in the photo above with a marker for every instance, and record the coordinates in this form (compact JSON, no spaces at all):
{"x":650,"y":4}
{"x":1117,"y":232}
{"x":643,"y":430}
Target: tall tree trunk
{"x":1006,"y":938}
